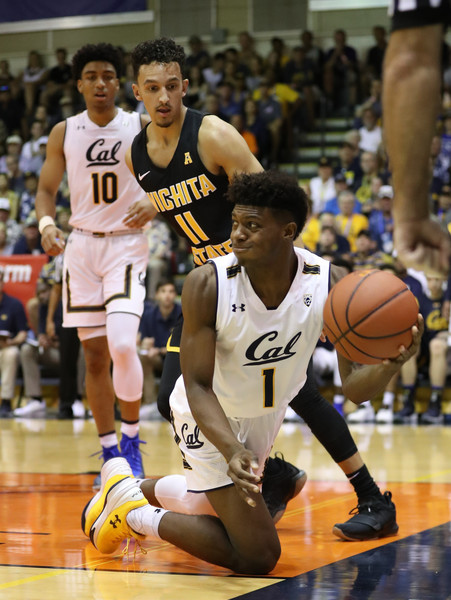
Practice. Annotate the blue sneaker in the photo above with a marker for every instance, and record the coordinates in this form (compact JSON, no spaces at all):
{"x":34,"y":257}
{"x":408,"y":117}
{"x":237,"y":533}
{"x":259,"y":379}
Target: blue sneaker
{"x":131,"y":452}
{"x":106,"y":453}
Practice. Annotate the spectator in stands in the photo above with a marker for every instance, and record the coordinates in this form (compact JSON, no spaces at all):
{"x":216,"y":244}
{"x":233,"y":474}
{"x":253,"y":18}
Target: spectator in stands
{"x":381,"y":220}
{"x":156,"y":325}
{"x":327,"y":219}
{"x":239,"y":123}
{"x":5,"y":248}
{"x":6,"y":77}
{"x":433,"y":351}
{"x":374,"y":101}
{"x":211,"y":105}
{"x":30,"y":149}
{"x":270,"y":111}
{"x":256,"y":74}
{"x":348,"y":163}
{"x":442,"y":208}
{"x":13,"y":332}
{"x":349,"y":223}
{"x":214,"y":74}
{"x":13,"y":149}
{"x":72,"y":364}
{"x":255,"y":124}
{"x":299,"y":73}
{"x":198,"y":56}
{"x":15,"y":176}
{"x":367,"y":254}
{"x":13,"y":229}
{"x":7,"y":192}
{"x":247,"y":50}
{"x":58,"y":82}
{"x":439,"y":166}
{"x":322,"y":187}
{"x":197,"y":90}
{"x":32,"y":78}
{"x":314,"y":54}
{"x":370,"y":132}
{"x":278,"y":58}
{"x":370,"y":169}
{"x":331,"y":244}
{"x":30,"y":241}
{"x":227,"y":105}
{"x":375,"y":56}
{"x":37,"y":351}
{"x":341,"y":185}
{"x":160,"y":252}
{"x":11,"y":110}
{"x":341,"y":73}
{"x":28,"y":196}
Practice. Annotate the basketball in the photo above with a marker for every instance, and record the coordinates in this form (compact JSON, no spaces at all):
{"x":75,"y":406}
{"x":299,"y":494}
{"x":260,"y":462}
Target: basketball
{"x":368,"y":315}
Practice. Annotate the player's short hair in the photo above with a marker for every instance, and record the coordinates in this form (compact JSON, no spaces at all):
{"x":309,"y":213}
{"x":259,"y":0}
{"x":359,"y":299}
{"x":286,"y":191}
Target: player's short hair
{"x":271,"y":189}
{"x":96,"y":52}
{"x":162,"y":50}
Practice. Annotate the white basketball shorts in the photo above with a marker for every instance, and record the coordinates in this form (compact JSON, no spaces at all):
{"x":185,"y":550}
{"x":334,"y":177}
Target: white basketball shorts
{"x":103,"y":275}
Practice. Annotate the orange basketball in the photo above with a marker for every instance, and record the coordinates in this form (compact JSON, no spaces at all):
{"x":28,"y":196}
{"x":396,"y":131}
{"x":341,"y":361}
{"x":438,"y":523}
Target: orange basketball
{"x":368,"y":315}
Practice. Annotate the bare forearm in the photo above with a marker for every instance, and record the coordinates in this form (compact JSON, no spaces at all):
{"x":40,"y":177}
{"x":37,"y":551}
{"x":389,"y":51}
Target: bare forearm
{"x":213,"y":422}
{"x":364,"y":383}
{"x":411,"y":103}
{"x":45,"y":204}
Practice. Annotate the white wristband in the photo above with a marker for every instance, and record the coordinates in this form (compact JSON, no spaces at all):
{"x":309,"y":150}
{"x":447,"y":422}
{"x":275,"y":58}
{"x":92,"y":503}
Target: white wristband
{"x":44,"y":222}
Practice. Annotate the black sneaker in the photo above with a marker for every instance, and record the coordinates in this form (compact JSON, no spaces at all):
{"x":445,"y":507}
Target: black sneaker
{"x":282,"y":481}
{"x":433,"y":415}
{"x":406,"y":414}
{"x":374,"y":518}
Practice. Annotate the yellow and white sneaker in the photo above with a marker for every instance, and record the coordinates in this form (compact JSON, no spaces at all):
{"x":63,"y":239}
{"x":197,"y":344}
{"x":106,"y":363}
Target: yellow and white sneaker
{"x":114,"y":469}
{"x":111,"y":527}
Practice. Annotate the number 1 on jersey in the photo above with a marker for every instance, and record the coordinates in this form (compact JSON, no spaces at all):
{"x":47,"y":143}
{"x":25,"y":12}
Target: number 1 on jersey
{"x":268,"y":387}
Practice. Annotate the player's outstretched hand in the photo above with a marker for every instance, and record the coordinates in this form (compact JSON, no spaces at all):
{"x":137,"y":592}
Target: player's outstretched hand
{"x":240,"y":470}
{"x":139,"y":214}
{"x":52,"y":240}
{"x":423,"y":245}
{"x":406,"y":353}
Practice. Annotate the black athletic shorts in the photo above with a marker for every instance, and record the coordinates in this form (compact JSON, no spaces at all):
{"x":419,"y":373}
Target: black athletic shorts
{"x":424,"y":13}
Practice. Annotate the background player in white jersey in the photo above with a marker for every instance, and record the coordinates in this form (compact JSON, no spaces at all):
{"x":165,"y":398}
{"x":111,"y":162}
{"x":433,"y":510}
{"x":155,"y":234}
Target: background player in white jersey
{"x":104,"y":262}
{"x":249,"y":317}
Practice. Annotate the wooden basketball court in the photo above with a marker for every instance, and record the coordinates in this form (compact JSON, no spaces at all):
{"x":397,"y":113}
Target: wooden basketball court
{"x":46,"y":483}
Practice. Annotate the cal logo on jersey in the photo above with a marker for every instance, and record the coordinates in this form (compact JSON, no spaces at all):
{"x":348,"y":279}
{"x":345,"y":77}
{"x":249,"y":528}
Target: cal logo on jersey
{"x":97,"y":155}
{"x":188,"y":159}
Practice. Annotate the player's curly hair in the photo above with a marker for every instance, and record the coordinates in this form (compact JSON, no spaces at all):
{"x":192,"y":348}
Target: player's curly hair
{"x":162,"y":50}
{"x":96,"y":52}
{"x":271,"y":189}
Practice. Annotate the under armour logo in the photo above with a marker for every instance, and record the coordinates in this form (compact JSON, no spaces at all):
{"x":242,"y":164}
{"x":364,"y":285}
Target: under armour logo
{"x":142,"y":279}
{"x":235,"y":307}
{"x":115,"y":522}
{"x":188,"y":159}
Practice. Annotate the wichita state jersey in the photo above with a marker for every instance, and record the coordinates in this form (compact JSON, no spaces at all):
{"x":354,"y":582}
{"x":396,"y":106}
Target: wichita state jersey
{"x":262,"y":354}
{"x":188,"y":196}
{"x":101,"y":185}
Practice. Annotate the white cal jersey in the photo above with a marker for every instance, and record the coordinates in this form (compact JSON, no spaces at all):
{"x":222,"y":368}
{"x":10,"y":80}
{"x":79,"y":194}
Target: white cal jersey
{"x":262,"y":355}
{"x":101,"y":185}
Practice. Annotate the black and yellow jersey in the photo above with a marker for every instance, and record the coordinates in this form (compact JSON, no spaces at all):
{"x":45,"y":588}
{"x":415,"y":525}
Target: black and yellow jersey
{"x":188,"y":196}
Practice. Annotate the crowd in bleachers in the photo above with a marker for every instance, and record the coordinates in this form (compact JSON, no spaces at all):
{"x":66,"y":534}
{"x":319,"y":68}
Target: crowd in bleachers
{"x":270,"y":98}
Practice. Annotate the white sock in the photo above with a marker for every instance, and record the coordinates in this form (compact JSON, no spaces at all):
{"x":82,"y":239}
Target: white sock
{"x":108,"y":440}
{"x":146,"y":520}
{"x":387,"y":400}
{"x":130,"y":429}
